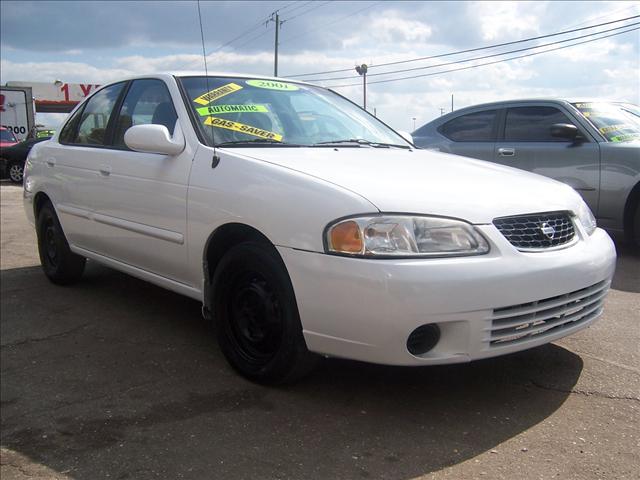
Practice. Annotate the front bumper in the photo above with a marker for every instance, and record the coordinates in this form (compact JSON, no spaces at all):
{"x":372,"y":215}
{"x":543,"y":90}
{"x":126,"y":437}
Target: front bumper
{"x":365,"y":309}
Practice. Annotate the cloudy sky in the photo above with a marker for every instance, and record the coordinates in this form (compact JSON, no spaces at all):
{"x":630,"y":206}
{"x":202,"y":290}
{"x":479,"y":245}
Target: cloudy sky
{"x":96,"y":42}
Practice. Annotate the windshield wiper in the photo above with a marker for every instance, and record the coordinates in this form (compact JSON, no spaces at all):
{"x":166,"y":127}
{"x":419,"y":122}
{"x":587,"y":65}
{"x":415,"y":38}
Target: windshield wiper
{"x":253,"y":141}
{"x":362,"y":141}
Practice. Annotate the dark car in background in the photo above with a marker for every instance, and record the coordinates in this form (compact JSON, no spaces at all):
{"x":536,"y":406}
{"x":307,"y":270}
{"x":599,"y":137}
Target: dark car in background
{"x":12,"y":158}
{"x":7,"y":138}
{"x":593,"y":146}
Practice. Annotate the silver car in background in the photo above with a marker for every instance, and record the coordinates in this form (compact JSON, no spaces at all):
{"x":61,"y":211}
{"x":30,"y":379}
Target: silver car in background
{"x":593,"y":146}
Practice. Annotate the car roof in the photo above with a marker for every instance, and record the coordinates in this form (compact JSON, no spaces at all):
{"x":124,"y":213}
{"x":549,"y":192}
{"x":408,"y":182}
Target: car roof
{"x":199,"y":73}
{"x":503,"y":103}
{"x":500,"y":103}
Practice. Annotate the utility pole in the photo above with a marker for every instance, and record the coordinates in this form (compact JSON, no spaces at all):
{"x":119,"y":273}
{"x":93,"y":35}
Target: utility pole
{"x":278,"y":25}
{"x":441,"y":111}
{"x":362,"y":71}
{"x":414,"y":124}
{"x":452,"y":102}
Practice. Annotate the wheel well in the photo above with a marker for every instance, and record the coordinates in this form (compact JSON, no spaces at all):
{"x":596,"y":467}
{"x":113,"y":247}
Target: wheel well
{"x":39,"y":200}
{"x":629,"y":209}
{"x":219,"y":243}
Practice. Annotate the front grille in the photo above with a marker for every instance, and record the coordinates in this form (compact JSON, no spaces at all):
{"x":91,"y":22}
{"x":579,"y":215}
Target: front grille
{"x":537,"y":231}
{"x":519,"y":323}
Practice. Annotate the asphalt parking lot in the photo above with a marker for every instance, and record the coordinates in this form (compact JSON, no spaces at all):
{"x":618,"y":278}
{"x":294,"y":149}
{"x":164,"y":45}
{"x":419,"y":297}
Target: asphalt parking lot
{"x":116,"y":378}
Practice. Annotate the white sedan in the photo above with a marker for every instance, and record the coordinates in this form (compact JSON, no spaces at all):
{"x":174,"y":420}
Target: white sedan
{"x":307,"y":226}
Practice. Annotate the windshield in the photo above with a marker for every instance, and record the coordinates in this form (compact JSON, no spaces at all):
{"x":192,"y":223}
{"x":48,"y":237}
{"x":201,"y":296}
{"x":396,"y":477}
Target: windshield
{"x":7,"y":136}
{"x":615,"y":122}
{"x":233,"y":110}
{"x":631,"y":108}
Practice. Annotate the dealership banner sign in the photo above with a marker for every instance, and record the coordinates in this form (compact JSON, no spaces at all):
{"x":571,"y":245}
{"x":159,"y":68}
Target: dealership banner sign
{"x":57,"y":96}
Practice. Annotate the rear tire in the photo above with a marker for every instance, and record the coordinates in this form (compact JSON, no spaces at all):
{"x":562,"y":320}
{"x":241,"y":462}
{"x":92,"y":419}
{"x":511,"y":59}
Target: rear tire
{"x":256,"y":315}
{"x":59,"y":263}
{"x":636,"y":227}
{"x":15,"y":172}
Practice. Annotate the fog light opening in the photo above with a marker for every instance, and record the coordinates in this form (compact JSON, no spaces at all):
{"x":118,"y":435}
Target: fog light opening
{"x":423,"y":339}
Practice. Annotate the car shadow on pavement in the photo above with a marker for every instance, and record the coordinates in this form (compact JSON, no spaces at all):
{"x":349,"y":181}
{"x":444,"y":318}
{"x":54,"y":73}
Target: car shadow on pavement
{"x":627,"y":277}
{"x":116,"y":377}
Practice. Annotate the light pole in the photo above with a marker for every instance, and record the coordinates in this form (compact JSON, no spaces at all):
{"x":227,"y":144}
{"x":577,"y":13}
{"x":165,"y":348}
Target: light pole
{"x":362,"y":71}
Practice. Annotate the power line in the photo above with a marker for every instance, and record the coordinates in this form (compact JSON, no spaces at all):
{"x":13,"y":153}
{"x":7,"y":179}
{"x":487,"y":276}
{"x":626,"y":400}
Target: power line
{"x":307,"y":11}
{"x":268,"y":30}
{"x":478,"y":58}
{"x":302,"y":4}
{"x":268,"y":27}
{"x":248,"y":31}
{"x":322,"y":27}
{"x":610,"y":14}
{"x":283,"y":8}
{"x":243,"y":34}
{"x":489,"y":63}
{"x":470,"y":49}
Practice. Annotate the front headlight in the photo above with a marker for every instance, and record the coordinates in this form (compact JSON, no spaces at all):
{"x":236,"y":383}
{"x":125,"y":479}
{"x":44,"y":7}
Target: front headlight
{"x":403,"y":236}
{"x":586,"y":218}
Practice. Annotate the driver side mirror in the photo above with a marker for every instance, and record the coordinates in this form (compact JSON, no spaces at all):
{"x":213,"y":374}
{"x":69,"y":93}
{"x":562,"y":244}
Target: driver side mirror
{"x":152,"y":138}
{"x":566,"y":131}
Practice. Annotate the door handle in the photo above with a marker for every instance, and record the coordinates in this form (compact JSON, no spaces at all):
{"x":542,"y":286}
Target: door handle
{"x":506,"y":152}
{"x":51,"y":162}
{"x":105,"y":170}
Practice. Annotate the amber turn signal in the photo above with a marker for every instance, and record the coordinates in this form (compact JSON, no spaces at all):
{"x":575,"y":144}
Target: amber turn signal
{"x":345,"y":237}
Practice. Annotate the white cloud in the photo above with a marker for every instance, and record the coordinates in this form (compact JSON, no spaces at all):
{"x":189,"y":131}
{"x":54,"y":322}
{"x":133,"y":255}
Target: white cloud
{"x":508,"y":19}
{"x":608,"y":68}
{"x":388,"y":28}
{"x":51,"y":71}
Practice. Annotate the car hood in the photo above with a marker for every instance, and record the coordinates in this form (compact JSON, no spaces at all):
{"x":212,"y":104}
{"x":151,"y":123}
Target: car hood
{"x":427,"y":182}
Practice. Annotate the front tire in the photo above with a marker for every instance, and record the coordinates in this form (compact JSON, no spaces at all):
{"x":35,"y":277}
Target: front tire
{"x":59,"y":263}
{"x":256,"y":314}
{"x":16,"y":172}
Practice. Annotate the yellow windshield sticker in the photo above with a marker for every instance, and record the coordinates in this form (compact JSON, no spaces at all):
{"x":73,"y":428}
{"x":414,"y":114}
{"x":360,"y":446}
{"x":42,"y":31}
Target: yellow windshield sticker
{"x":613,"y":128}
{"x":217,"y":93}
{"x":272,"y":85}
{"x":213,"y":109}
{"x":242,"y":128}
{"x":625,"y":138}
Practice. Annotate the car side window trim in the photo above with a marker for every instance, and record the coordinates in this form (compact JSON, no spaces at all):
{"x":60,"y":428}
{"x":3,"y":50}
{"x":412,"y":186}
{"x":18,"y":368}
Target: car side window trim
{"x":120,"y":103}
{"x":115,"y":114}
{"x":72,"y":118}
{"x":494,"y":126}
{"x":81,"y":113}
{"x":584,"y":136}
{"x":501,"y":124}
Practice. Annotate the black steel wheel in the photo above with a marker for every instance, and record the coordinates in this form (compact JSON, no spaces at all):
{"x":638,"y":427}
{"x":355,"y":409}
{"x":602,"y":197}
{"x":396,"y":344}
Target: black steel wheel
{"x":16,"y":172}
{"x":256,"y":316}
{"x":59,"y":263}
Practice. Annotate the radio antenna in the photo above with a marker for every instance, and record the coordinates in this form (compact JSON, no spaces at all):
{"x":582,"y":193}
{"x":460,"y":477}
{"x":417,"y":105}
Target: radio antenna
{"x":206,"y":73}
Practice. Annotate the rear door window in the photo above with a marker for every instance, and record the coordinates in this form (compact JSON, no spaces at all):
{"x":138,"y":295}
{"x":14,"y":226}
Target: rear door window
{"x":95,"y":116}
{"x":533,"y":124}
{"x":69,"y":131}
{"x":473,"y":127}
